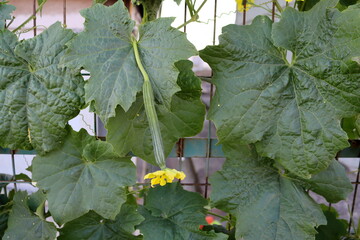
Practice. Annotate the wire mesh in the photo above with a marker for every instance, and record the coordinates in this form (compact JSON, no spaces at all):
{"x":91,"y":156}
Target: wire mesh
{"x":198,"y":156}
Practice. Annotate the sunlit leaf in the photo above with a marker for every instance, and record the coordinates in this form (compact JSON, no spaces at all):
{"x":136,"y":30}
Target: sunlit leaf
{"x":105,"y":49}
{"x":291,"y":109}
{"x":37,"y":97}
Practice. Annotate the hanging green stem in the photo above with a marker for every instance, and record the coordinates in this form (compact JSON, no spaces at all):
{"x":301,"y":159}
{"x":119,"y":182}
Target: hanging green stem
{"x":277,"y":5}
{"x":190,"y":6}
{"x":150,"y":110}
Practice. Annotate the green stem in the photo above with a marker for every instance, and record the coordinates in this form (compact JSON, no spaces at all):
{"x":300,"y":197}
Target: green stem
{"x":302,"y":6}
{"x":219,"y":216}
{"x":31,"y":17}
{"x":201,"y":6}
{"x":150,"y":110}
{"x":194,"y":15}
{"x":277,"y":5}
{"x":190,"y":6}
{"x":11,"y":21}
{"x":193,"y":19}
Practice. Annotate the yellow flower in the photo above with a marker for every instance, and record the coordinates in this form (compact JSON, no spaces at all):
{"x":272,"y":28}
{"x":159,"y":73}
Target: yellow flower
{"x":241,"y":5}
{"x":164,"y":176}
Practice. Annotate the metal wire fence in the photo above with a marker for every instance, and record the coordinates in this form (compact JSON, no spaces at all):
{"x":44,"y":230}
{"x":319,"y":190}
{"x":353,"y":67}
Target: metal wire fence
{"x":198,"y":156}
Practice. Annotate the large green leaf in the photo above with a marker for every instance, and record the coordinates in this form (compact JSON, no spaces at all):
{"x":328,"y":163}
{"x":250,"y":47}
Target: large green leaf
{"x":129,"y":131}
{"x":170,"y":212}
{"x":335,"y":228}
{"x":5,"y":10}
{"x":84,"y":174}
{"x":94,"y":227}
{"x":332,"y":183}
{"x":266,"y":205}
{"x":105,"y":49}
{"x":24,"y":224}
{"x":291,"y":111}
{"x":37,"y":97}
{"x":352,"y":127}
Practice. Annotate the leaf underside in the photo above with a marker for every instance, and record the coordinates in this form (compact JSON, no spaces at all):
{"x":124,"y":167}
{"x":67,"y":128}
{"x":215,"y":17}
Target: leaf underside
{"x":105,"y":49}
{"x":37,"y":97}
{"x":266,"y":205}
{"x":290,"y":110}
{"x":83,"y":175}
{"x":129,"y":131}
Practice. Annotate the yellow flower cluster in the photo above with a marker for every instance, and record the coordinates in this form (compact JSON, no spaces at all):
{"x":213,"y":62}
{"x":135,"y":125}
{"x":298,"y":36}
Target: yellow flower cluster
{"x":164,"y":176}
{"x":241,"y":5}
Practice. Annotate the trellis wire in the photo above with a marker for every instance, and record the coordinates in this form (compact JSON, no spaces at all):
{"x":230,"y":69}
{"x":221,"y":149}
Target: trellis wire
{"x":181,"y":145}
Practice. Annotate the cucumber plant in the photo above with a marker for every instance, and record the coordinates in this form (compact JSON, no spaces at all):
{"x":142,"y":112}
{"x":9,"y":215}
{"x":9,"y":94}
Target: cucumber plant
{"x":277,"y":118}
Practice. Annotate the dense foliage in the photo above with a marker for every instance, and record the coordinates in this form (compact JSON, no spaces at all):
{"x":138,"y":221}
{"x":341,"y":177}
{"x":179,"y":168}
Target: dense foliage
{"x":282,"y":92}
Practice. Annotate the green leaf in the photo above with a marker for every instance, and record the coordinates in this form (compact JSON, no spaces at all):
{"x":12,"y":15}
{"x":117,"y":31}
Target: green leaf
{"x":94,"y":227}
{"x":5,"y":177}
{"x":177,"y":1}
{"x":170,"y":212}
{"x":306,"y":5}
{"x":5,"y":207}
{"x":352,"y":127}
{"x":35,"y":200}
{"x":265,"y":204}
{"x":22,"y":176}
{"x":291,"y":111}
{"x":129,"y":131}
{"x":344,"y":4}
{"x":37,"y":97}
{"x":5,"y":10}
{"x":24,"y":224}
{"x":84,"y":174}
{"x":105,"y":49}
{"x":150,"y":8}
{"x":332,"y":183}
{"x":40,"y":2}
{"x":334,"y":229}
